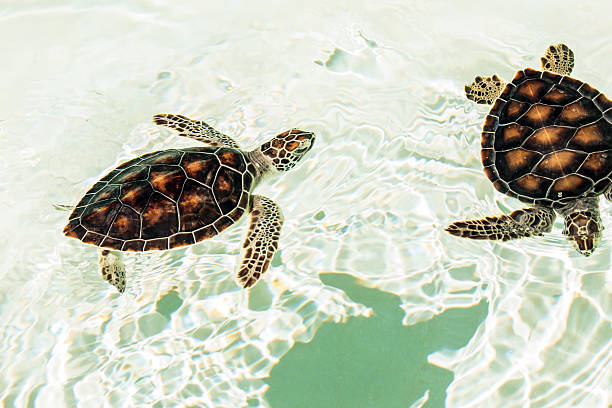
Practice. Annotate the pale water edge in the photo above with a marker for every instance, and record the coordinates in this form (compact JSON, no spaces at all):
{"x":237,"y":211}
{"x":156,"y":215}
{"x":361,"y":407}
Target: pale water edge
{"x":396,"y":159}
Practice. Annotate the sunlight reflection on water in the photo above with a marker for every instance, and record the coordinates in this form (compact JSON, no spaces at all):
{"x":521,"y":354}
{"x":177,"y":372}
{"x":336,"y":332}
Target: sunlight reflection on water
{"x":396,"y":160}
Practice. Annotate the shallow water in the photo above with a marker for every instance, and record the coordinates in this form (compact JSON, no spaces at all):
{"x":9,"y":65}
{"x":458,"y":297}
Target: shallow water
{"x":396,"y":160}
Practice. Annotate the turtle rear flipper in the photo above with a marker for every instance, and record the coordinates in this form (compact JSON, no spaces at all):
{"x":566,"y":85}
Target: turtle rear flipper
{"x":261,"y":241}
{"x":195,"y":129}
{"x":112,"y":268}
{"x":485,"y":90}
{"x":63,"y":207}
{"x":559,"y":59}
{"x":520,"y":223}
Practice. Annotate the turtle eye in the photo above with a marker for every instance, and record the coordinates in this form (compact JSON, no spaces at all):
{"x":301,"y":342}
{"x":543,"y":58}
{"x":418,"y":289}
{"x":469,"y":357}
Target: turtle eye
{"x":303,"y":142}
{"x":303,"y":146}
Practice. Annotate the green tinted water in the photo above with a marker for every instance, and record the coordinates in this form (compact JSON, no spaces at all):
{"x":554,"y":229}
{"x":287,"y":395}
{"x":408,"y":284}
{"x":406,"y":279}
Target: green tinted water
{"x":374,"y":361}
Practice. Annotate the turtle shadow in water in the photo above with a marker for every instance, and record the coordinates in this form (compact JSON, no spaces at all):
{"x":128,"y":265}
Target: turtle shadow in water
{"x":371,"y":362}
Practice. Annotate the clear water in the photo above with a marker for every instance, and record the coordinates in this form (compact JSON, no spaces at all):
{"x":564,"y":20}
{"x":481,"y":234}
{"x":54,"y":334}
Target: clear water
{"x":396,"y":159}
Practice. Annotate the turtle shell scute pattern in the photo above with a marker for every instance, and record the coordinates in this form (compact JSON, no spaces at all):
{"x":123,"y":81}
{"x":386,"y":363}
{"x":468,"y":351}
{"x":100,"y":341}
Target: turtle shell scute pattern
{"x":165,"y":199}
{"x":548,"y":139}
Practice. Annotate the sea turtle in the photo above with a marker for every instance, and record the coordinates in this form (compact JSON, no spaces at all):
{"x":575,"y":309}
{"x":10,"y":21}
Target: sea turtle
{"x":176,"y":197}
{"x":548,"y":142}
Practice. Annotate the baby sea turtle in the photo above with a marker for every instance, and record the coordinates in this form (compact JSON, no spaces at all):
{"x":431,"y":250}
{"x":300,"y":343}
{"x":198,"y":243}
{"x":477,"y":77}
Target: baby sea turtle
{"x":548,"y":142}
{"x":177,"y":197}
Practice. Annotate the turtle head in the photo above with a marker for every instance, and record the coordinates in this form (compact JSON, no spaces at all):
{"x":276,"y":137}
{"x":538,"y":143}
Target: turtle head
{"x":583,"y":227}
{"x":288,"y":148}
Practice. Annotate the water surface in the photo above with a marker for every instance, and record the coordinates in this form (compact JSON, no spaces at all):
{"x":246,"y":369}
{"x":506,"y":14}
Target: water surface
{"x":396,"y":160}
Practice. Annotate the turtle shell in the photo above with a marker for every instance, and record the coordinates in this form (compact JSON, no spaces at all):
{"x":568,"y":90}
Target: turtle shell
{"x":548,"y":139}
{"x":164,"y":200}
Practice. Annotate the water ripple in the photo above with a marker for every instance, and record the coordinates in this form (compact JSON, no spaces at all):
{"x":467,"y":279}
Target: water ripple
{"x":396,"y":160}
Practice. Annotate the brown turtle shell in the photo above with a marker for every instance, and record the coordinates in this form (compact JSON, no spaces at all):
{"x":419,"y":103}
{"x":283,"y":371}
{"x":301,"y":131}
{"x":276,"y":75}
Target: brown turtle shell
{"x":548,"y":139}
{"x":164,"y":200}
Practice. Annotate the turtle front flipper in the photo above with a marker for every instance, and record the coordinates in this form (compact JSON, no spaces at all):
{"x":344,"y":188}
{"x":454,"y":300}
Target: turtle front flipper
{"x":112,"y":268}
{"x":559,"y":59}
{"x":261,"y":241}
{"x":485,"y":89}
{"x":520,"y":223}
{"x":195,"y":129}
